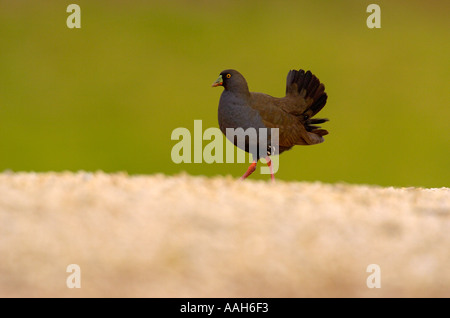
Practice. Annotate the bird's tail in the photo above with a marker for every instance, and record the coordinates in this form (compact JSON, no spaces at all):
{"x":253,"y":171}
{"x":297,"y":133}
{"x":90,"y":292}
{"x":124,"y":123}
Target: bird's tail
{"x":307,"y":86}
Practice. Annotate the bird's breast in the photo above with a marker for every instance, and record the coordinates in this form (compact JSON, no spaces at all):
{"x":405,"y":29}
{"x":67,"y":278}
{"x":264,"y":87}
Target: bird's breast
{"x":234,"y":112}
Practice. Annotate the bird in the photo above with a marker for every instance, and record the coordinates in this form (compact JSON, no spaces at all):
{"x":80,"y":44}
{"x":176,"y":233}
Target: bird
{"x":292,"y":114}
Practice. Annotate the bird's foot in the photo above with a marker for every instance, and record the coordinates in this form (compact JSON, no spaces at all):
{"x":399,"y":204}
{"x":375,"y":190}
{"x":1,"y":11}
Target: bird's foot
{"x":249,"y":171}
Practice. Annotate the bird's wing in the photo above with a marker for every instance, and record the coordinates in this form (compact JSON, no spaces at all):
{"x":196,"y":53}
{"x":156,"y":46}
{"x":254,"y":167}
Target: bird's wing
{"x":274,"y":114}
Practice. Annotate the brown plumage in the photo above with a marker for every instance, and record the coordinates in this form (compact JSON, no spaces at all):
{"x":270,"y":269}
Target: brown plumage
{"x":292,"y":114}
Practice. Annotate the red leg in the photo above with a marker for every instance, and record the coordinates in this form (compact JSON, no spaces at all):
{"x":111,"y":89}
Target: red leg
{"x":250,"y":170}
{"x":269,"y":163}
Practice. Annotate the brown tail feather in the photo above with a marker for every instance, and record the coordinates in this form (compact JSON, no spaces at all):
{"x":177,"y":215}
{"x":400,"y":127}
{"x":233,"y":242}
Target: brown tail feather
{"x":309,"y":87}
{"x":310,"y":126}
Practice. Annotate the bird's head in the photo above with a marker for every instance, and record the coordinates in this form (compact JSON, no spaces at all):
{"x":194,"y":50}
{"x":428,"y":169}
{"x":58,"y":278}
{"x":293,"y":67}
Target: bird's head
{"x":231,"y":80}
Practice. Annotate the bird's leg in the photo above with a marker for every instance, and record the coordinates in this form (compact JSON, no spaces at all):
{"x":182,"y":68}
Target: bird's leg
{"x":250,"y":170}
{"x":269,"y":163}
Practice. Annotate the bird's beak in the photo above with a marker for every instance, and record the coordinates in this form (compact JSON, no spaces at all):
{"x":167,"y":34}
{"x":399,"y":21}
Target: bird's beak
{"x":218,"y":82}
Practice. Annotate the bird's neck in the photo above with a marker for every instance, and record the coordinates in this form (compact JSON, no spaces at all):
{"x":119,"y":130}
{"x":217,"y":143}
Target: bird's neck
{"x":239,"y":91}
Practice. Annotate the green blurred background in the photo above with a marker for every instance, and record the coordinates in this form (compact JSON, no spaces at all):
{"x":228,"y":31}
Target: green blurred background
{"x":107,"y":96}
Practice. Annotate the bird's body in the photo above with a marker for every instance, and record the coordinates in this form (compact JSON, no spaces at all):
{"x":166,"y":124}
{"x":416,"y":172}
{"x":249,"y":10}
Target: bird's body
{"x":291,"y":114}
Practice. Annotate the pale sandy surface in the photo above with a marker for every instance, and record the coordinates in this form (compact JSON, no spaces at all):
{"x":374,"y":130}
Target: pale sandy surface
{"x":157,"y":236}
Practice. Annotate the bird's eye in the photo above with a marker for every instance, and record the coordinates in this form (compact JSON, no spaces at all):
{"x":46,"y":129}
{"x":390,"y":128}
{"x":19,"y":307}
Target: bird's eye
{"x":228,"y":75}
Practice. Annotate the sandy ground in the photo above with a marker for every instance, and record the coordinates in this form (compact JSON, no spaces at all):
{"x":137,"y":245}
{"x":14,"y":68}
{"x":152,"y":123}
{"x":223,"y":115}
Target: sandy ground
{"x":183,"y":236}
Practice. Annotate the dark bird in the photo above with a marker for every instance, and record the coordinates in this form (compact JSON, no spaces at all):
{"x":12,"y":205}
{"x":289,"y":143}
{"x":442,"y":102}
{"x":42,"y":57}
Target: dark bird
{"x":292,"y":114}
